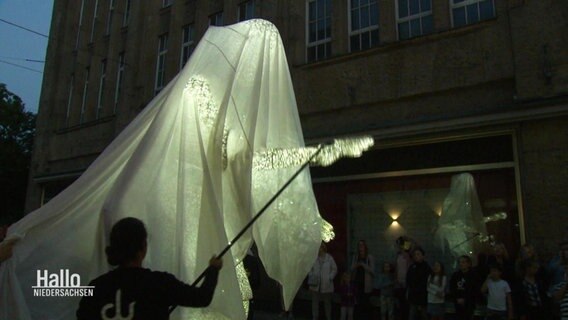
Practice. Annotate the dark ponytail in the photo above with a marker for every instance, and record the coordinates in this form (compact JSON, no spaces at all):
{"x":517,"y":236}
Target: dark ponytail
{"x":127,"y":238}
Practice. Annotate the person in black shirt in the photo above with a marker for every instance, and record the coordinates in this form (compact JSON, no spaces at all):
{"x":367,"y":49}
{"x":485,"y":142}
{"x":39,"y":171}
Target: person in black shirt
{"x":363,"y":267}
{"x":533,"y":299}
{"x":133,"y":292}
{"x":464,"y":286}
{"x":416,"y":284}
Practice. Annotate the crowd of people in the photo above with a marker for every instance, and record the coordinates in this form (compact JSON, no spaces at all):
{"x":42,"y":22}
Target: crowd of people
{"x":408,"y":287}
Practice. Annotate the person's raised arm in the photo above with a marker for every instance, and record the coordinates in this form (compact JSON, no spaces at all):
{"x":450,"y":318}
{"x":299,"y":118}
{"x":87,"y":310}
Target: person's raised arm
{"x":193,"y":296}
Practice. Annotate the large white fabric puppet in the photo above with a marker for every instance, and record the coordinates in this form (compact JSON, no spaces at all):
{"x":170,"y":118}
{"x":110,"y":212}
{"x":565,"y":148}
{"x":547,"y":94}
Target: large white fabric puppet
{"x":194,"y":165}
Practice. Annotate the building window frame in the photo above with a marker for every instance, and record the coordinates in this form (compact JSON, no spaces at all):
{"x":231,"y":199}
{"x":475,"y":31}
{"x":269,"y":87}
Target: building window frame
{"x":102,"y":80}
{"x":126,"y":14}
{"x":246,"y":10}
{"x":110,"y":16}
{"x":318,"y":48}
{"x":369,"y":33}
{"x":70,"y":99}
{"x":85,"y":93}
{"x":423,"y":17}
{"x":161,"y":63}
{"x":77,"y":41}
{"x":467,"y":6}
{"x":216,"y":19}
{"x":119,"y":79}
{"x":95,"y":18}
{"x":187,"y":44}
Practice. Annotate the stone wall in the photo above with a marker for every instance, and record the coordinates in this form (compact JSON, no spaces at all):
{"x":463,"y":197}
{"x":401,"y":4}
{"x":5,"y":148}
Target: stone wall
{"x":543,"y":153}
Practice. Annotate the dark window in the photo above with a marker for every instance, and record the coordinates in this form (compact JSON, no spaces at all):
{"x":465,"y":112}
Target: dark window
{"x":414,"y":18}
{"x":319,"y":30}
{"x":465,"y":12}
{"x":364,"y":26}
{"x":246,"y":10}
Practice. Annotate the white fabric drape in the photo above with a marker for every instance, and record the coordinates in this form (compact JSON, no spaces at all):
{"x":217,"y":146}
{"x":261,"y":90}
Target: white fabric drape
{"x":461,"y":224}
{"x":184,"y":167}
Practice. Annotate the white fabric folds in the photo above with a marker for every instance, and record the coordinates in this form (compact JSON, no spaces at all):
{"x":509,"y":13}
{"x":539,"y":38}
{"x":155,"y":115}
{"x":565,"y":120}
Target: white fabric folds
{"x":461,"y":225}
{"x":184,"y":167}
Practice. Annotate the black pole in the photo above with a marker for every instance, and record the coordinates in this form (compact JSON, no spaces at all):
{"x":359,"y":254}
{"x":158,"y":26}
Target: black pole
{"x":256,"y":216}
{"x":475,"y":235}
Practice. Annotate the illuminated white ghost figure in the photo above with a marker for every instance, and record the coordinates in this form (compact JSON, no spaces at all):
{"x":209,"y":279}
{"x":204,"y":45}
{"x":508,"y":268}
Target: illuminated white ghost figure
{"x":194,"y":165}
{"x":461,"y":221}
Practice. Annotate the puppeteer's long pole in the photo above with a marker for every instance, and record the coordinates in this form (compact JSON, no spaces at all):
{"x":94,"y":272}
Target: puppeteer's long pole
{"x":260,"y":212}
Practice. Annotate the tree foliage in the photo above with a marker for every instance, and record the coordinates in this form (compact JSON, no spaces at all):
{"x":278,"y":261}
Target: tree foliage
{"x":17,"y":130}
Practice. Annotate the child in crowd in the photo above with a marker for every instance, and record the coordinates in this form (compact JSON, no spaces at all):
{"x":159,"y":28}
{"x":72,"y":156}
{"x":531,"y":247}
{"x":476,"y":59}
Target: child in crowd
{"x":464,"y":288}
{"x":347,"y":292}
{"x":403,"y":261}
{"x":499,"y":302}
{"x":436,"y":292}
{"x":534,"y":299}
{"x":416,"y":285}
{"x":385,"y":283}
{"x":363,"y":268}
{"x":559,"y":291}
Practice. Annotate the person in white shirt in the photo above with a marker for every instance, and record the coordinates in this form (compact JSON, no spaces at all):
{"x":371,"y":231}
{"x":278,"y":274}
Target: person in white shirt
{"x":320,"y":281}
{"x":499,"y":302}
{"x":437,"y":292}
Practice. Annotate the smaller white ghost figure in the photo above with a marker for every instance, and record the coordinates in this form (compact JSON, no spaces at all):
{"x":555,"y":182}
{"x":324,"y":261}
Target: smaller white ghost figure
{"x":462,"y":219}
